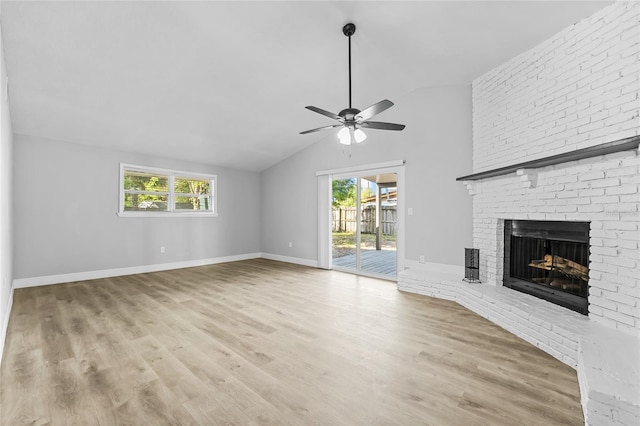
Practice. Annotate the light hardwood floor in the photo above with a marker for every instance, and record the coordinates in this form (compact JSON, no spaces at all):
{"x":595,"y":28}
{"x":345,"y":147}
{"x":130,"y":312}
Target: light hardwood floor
{"x":263,"y":342}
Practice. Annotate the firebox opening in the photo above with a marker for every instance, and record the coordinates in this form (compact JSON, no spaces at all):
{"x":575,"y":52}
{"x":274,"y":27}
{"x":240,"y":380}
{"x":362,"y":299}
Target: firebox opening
{"x":549,"y":260}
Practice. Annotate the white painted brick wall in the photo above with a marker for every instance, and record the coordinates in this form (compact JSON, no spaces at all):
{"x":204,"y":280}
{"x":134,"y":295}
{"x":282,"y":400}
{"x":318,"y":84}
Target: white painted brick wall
{"x":578,"y":89}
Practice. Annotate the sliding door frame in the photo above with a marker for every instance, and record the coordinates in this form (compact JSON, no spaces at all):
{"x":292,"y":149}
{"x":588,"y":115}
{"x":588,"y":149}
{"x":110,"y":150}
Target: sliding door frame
{"x":324,"y":209}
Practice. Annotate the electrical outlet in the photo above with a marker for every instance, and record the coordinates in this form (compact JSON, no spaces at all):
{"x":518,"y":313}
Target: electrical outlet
{"x":422,"y":259}
{"x":290,"y":244}
{"x":410,"y":211}
{"x":162,"y":249}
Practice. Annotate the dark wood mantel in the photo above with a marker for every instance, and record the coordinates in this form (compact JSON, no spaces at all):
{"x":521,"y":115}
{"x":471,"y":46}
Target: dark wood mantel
{"x":627,"y":144}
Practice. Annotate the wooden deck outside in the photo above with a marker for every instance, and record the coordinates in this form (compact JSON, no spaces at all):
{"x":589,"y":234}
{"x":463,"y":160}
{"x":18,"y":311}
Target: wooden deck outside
{"x":381,"y":262}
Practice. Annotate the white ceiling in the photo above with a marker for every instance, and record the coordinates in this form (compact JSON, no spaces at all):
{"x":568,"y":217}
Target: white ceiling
{"x":226,"y":83}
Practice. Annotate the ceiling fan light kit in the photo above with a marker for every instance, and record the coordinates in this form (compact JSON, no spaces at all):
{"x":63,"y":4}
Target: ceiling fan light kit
{"x":352,"y":120}
{"x":347,"y":135}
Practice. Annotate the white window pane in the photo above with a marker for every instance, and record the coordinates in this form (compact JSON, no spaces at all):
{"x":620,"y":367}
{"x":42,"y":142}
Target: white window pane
{"x":201,"y":203}
{"x":143,"y":181}
{"x":184,"y":185}
{"x":144,"y":202}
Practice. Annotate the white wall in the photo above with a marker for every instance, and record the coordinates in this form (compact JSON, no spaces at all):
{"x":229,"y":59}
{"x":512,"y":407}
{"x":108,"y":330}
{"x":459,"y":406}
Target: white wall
{"x":436,"y":145}
{"x":65,"y":204}
{"x":6,"y":234}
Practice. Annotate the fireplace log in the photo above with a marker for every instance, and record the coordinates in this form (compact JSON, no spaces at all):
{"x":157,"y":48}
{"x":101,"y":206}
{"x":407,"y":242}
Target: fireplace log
{"x":562,"y":265}
{"x":565,"y":285}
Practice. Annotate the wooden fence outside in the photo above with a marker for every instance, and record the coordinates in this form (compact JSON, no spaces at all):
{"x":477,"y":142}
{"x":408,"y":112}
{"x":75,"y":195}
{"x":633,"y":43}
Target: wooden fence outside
{"x":344,"y":220}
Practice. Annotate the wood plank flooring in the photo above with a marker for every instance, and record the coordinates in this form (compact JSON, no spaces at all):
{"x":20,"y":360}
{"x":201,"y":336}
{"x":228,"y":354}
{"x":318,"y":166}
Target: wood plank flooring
{"x":262,"y":342}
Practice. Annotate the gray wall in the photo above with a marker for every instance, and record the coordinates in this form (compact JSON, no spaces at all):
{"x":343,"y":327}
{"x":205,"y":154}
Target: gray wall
{"x":436,"y":145}
{"x":65,"y":204}
{"x":6,"y":233}
{"x":66,"y":197}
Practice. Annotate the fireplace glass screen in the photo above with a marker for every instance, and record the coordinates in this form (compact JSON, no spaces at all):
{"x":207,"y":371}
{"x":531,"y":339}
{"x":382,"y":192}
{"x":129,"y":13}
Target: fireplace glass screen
{"x":549,"y":260}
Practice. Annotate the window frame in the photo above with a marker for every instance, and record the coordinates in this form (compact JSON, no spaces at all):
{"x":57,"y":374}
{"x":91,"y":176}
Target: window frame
{"x":171,"y":194}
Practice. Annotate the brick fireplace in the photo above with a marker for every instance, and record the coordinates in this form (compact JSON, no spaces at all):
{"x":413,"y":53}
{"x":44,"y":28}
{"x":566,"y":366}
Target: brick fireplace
{"x":576,"y":92}
{"x":602,"y":191}
{"x":533,"y":119}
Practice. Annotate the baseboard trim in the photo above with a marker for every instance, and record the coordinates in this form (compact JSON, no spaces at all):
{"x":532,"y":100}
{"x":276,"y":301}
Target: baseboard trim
{"x":5,"y":324}
{"x":107,"y":273}
{"x":287,"y":259}
{"x":439,"y":268}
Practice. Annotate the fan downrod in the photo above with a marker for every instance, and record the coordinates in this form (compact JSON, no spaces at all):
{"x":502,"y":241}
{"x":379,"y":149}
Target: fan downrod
{"x":349,"y":29}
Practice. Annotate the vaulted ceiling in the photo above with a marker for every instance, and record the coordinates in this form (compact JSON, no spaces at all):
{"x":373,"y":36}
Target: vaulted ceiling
{"x":226,"y":83}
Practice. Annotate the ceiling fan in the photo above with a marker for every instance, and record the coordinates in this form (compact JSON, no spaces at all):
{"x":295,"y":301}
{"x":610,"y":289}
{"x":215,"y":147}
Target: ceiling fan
{"x":352,"y":120}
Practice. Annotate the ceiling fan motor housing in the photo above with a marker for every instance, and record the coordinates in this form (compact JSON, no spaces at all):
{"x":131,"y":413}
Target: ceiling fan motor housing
{"x":349,"y":29}
{"x":349,"y":114}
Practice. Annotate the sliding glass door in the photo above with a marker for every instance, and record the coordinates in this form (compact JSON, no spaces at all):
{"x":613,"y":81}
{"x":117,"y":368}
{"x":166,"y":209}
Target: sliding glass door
{"x":364,"y":224}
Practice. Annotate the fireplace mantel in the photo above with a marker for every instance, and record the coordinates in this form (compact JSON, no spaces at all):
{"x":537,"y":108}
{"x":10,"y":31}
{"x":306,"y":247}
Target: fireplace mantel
{"x":627,"y":144}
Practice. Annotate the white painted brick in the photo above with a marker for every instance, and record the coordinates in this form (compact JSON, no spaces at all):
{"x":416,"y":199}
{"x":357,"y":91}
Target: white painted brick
{"x":606,"y":287}
{"x":595,"y":310}
{"x":632,"y":292}
{"x":592,"y":192}
{"x":628,"y":273}
{"x":567,"y":209}
{"x":624,"y":189}
{"x":623,"y":299}
{"x":581,"y":201}
{"x":629,"y":329}
{"x":556,"y":340}
{"x":603,"y":183}
{"x":572,"y":178}
{"x":611,"y":269}
{"x":619,"y":317}
{"x":591,"y":208}
{"x":576,"y":90}
{"x":629,"y":235}
{"x":631,"y":254}
{"x":567,"y":194}
{"x":628,"y":245}
{"x":606,"y":321}
{"x":622,"y":171}
{"x":630,"y":180}
{"x":606,"y":251}
{"x":630,"y":311}
{"x":630,"y":208}
{"x":609,"y":199}
{"x":621,"y":226}
{"x":595,"y":258}
{"x":605,"y":304}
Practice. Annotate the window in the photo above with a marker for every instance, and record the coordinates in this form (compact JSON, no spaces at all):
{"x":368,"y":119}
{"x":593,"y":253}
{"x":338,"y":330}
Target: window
{"x":147,"y":191}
